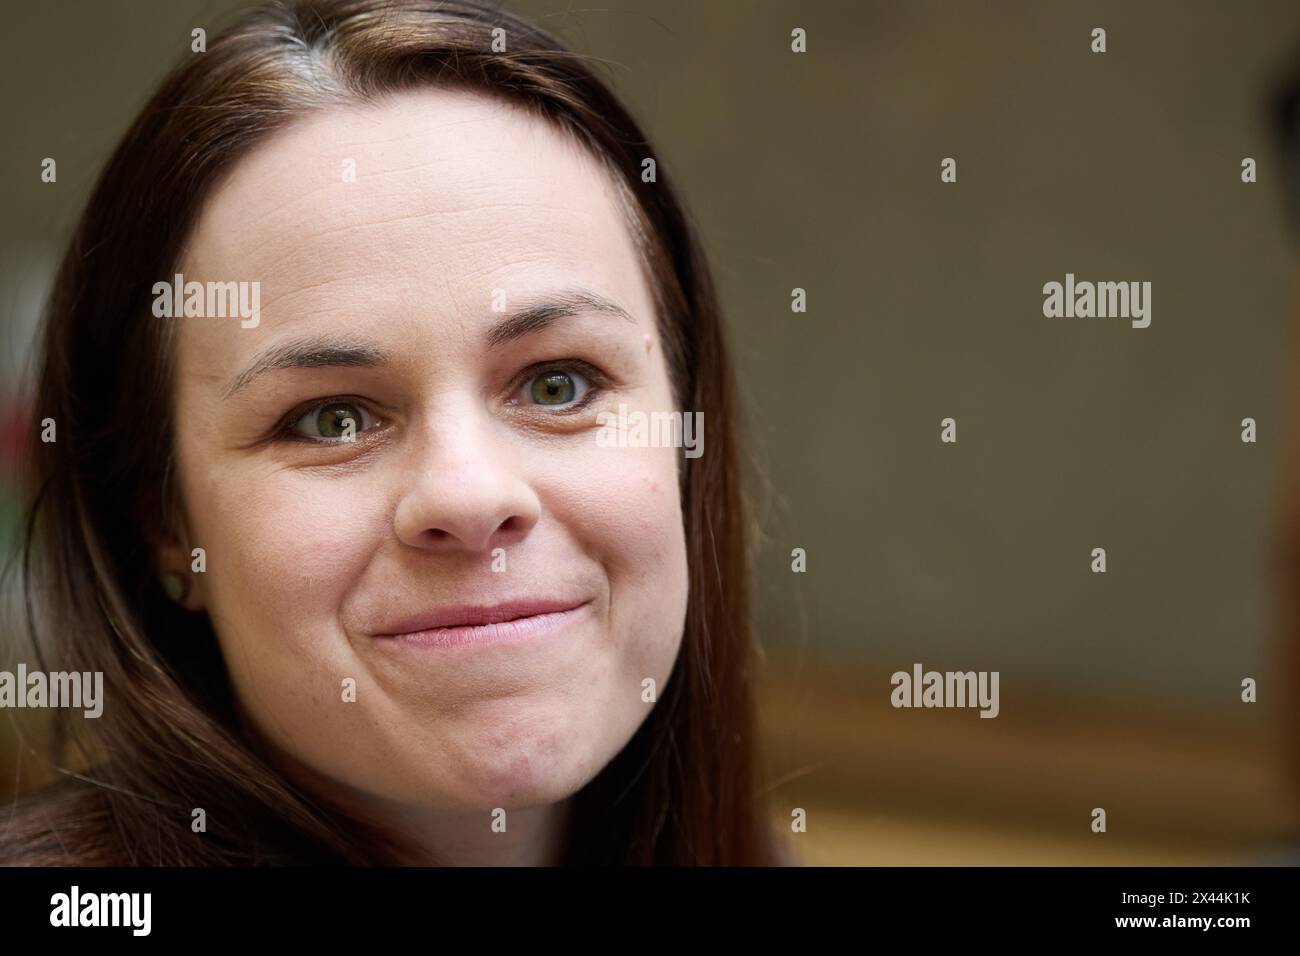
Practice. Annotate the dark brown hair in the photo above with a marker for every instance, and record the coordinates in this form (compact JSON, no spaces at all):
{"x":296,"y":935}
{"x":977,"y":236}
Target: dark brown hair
{"x":686,"y":788}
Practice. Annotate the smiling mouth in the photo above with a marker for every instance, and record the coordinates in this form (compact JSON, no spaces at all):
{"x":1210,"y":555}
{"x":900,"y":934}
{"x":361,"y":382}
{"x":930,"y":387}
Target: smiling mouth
{"x":466,"y":625}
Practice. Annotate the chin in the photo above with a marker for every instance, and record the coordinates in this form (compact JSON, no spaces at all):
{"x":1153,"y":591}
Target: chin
{"x":500,"y":768}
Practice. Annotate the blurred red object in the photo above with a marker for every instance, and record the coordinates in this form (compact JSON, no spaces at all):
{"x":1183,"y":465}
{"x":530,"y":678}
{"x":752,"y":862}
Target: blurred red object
{"x":15,"y":419}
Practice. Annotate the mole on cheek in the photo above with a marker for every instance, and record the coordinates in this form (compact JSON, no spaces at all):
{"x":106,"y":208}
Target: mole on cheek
{"x":647,"y":345}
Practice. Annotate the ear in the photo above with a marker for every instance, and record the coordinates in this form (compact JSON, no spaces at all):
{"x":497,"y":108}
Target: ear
{"x":173,"y":552}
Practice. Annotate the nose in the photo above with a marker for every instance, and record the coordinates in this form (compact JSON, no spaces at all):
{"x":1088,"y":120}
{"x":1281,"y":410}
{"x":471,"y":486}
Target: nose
{"x":466,"y":489}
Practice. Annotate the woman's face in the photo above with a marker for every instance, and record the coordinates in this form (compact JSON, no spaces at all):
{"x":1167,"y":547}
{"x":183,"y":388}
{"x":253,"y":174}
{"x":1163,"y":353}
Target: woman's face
{"x":394,"y":245}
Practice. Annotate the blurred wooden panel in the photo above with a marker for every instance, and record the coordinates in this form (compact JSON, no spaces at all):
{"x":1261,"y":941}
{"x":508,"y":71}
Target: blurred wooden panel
{"x":943,"y":786}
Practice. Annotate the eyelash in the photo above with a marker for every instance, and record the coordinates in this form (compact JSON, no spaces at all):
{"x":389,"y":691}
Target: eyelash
{"x":596,"y":380}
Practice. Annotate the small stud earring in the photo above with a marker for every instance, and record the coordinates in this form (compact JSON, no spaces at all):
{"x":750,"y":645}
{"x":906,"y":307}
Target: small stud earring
{"x":174,"y":586}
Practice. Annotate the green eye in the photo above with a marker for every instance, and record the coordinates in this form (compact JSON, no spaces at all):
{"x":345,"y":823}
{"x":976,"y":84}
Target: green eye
{"x":553,"y":388}
{"x":334,"y":421}
{"x":565,"y":386}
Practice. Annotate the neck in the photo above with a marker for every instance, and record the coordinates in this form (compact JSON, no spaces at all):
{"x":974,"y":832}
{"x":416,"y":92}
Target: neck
{"x":524,"y":836}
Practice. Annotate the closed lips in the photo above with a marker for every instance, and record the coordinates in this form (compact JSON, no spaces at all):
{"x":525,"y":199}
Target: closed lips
{"x":478,"y":615}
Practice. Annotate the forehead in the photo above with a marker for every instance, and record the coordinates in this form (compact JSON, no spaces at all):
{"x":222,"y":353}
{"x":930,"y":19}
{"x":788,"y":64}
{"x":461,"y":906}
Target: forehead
{"x":437,"y":196}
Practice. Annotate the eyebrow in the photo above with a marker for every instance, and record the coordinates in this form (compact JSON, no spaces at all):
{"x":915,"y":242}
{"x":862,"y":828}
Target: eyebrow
{"x":318,"y":351}
{"x":326,"y":351}
{"x":537,"y":314}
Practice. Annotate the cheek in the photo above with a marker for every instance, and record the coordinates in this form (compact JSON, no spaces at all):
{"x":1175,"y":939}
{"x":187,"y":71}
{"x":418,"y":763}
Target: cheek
{"x":623,"y":507}
{"x":282,"y":550}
